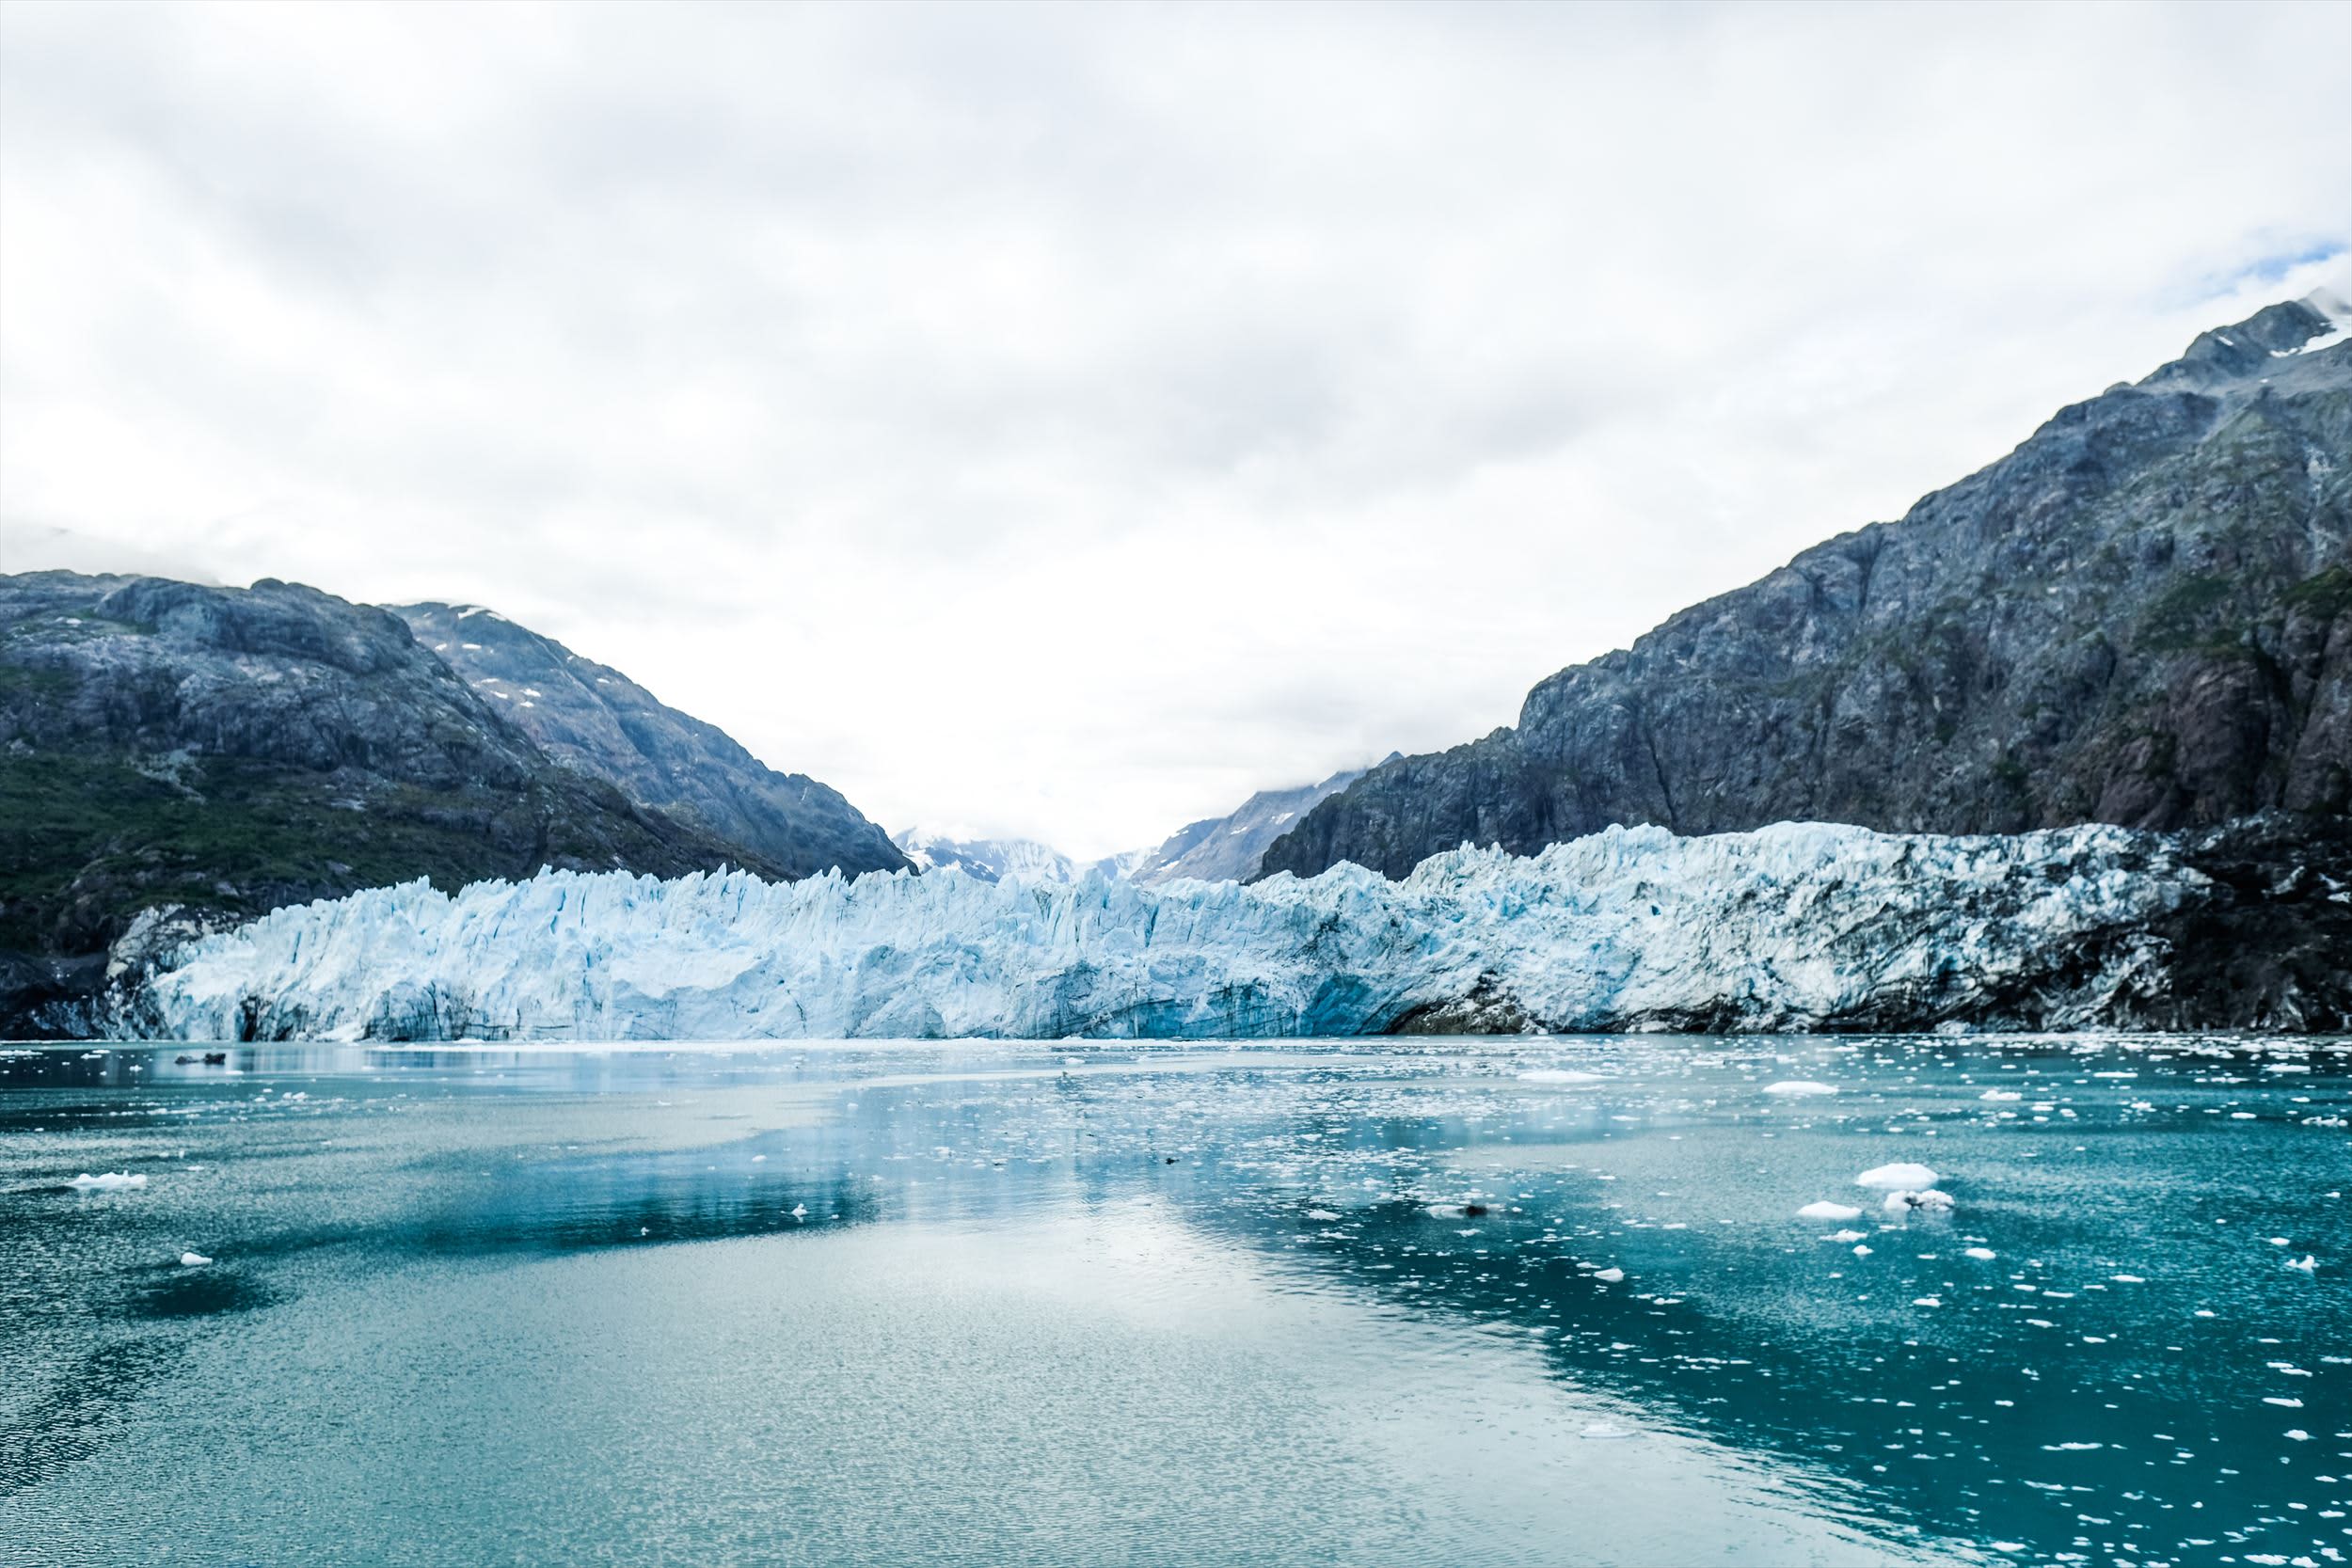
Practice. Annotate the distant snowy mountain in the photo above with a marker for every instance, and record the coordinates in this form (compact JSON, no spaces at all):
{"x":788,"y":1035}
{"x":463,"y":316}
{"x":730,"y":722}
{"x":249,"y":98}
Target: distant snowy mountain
{"x":1227,"y":848}
{"x":987,"y":860}
{"x":1801,"y":926}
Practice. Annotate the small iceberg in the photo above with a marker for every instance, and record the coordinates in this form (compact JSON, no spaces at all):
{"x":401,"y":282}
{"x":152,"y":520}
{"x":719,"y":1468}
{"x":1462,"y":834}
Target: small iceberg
{"x":1609,"y":1275}
{"x":1932,"y":1200}
{"x":193,"y":1259}
{"x":1890,"y":1178}
{"x":1321,"y":1214}
{"x":1560,"y":1075}
{"x":1797,"y":1088}
{"x":2305,"y":1264}
{"x":2002,"y":1095}
{"x":112,"y":1181}
{"x":1981,"y":1254}
{"x":1843,"y":1236}
{"x":1827,"y":1211}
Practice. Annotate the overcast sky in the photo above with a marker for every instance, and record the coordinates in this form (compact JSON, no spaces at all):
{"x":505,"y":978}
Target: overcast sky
{"x":1065,"y":421}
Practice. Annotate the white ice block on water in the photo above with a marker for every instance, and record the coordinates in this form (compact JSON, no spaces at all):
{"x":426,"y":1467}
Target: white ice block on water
{"x":112,"y":1181}
{"x":1895,"y":1176}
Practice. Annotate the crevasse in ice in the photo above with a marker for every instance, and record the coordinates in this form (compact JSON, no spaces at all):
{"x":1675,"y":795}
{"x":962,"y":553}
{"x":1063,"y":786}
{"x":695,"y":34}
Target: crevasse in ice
{"x":1801,"y":925}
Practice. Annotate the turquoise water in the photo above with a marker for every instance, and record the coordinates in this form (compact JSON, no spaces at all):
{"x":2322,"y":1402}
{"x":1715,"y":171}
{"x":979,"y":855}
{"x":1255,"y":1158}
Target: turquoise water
{"x":1321,"y":1304}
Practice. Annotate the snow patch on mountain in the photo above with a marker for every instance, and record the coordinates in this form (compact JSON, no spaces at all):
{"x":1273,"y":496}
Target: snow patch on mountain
{"x":1794,"y":926}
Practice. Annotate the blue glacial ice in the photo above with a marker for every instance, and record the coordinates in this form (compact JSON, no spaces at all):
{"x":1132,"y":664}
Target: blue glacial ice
{"x":1798,"y":925}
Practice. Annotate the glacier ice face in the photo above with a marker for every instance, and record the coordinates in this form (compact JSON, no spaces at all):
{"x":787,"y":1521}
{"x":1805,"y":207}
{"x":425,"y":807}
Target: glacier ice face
{"x":1798,"y":925}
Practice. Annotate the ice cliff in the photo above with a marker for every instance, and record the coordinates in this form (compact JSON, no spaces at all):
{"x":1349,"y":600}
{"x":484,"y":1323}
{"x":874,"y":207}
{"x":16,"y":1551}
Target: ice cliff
{"x":1798,"y":926}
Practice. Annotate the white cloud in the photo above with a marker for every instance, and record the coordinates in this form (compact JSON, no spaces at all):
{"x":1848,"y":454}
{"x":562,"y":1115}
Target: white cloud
{"x":1066,"y":421}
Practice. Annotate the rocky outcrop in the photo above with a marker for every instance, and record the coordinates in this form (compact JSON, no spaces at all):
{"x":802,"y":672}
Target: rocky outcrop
{"x":175,"y":758}
{"x":595,"y":720}
{"x":2141,"y":616}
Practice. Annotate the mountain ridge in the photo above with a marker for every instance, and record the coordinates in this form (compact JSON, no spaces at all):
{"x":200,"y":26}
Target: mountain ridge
{"x":2140,"y":615}
{"x":595,"y":719}
{"x":176,"y":757}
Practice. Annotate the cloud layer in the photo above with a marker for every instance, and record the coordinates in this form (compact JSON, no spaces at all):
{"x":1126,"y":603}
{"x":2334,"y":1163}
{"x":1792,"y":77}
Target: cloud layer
{"x":1064,"y":421}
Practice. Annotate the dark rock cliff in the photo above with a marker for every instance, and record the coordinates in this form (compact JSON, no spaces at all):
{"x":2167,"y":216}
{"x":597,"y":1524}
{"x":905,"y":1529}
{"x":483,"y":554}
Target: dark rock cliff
{"x":595,"y":720}
{"x":2142,"y":615}
{"x":174,"y":757}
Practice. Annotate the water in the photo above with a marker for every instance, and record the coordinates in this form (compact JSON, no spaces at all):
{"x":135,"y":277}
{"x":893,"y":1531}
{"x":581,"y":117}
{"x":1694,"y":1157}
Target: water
{"x":1093,"y":1304}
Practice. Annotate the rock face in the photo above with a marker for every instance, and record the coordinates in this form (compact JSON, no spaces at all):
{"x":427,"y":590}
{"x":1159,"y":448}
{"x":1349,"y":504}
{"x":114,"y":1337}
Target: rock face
{"x":176,"y":757}
{"x":1227,"y":848}
{"x":595,"y":720}
{"x":2141,"y":616}
{"x":1801,"y":926}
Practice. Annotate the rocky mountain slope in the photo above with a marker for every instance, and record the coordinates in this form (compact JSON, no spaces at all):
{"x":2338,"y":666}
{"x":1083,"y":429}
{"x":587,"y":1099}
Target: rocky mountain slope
{"x":1227,"y":848}
{"x":2141,"y":616}
{"x":593,"y":719}
{"x":1799,"y":925}
{"x":174,"y":757}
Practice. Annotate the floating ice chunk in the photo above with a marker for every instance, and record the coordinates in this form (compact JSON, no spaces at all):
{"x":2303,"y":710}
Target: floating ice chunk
{"x":2305,"y":1264}
{"x":2002,"y":1095}
{"x":2127,"y":1279}
{"x":1927,"y":1301}
{"x":1827,"y":1211}
{"x":800,"y":1210}
{"x":1560,"y":1075}
{"x":1795,"y":1087}
{"x":193,"y":1259}
{"x":1889,"y":1178}
{"x":1904,"y":1202}
{"x":1981,"y":1254}
{"x":2283,"y":1402}
{"x":1862,"y":1252}
{"x":2297,"y":1435}
{"x":1845,"y":1236}
{"x":1321,"y":1214}
{"x":1609,"y":1275}
{"x":112,"y":1181}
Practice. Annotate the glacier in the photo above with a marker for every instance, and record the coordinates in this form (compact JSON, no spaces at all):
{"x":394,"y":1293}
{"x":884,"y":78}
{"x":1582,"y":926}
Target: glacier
{"x":1801,"y":926}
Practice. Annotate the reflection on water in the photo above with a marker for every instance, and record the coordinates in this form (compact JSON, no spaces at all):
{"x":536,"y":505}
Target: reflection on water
{"x":1317,"y":1304}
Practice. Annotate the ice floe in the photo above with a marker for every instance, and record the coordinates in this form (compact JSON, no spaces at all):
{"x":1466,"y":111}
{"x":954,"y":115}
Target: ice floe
{"x":1827,"y":1211}
{"x":112,"y":1181}
{"x":1889,"y":1178}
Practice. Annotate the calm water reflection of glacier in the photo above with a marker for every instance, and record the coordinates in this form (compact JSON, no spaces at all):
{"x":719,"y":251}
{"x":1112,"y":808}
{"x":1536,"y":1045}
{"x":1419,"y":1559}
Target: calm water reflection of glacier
{"x":1352,"y":1303}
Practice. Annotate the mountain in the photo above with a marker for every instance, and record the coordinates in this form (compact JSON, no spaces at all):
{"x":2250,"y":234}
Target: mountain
{"x":993,"y":860}
{"x":2141,"y":616}
{"x":1227,"y":848}
{"x":175,"y":757}
{"x":1799,"y":925}
{"x":595,"y":720}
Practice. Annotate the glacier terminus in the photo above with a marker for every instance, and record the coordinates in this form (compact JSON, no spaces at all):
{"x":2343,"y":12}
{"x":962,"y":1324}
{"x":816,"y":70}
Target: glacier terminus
{"x":1799,"y":925}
